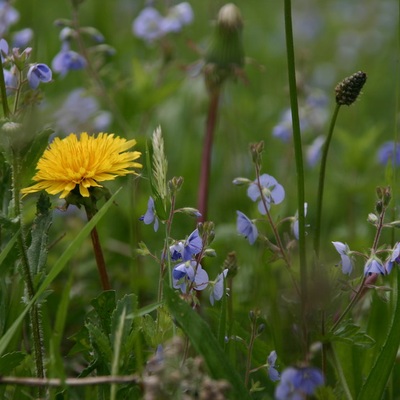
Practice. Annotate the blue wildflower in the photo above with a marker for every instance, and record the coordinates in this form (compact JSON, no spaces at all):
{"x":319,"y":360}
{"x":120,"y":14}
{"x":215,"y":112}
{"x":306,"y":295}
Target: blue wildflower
{"x":394,"y":258}
{"x":185,"y":250}
{"x":389,"y":151}
{"x":177,"y":17}
{"x":150,"y":215}
{"x":8,"y":16}
{"x":190,"y":273}
{"x":374,"y":266}
{"x":38,"y":73}
{"x":149,"y":25}
{"x":192,"y":246}
{"x":345,"y":255}
{"x":22,"y":38}
{"x":246,"y":227}
{"x":11,"y":81}
{"x":296,"y":383}
{"x":272,"y":191}
{"x":67,"y":60}
{"x":176,"y":251}
{"x":218,"y":287}
{"x":272,"y":371}
{"x":81,"y":112}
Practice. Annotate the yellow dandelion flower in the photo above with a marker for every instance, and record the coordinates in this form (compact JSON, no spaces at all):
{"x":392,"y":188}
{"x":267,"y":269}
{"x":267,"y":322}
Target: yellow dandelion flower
{"x":83,"y":161}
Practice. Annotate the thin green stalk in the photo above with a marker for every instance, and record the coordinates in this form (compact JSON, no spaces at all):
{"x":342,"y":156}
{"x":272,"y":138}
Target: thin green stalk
{"x":3,"y":92}
{"x":26,"y":273}
{"x":297,"y":150}
{"x":321,"y":181}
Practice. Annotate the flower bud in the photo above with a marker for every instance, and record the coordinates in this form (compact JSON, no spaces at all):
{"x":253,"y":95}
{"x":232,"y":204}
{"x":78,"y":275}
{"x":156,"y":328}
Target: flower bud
{"x":225,"y":53}
{"x":349,"y":89}
{"x":241,"y":181}
{"x":230,"y":263}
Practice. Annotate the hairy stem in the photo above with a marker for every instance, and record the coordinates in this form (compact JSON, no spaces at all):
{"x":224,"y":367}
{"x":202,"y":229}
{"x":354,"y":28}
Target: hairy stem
{"x":27,"y":276}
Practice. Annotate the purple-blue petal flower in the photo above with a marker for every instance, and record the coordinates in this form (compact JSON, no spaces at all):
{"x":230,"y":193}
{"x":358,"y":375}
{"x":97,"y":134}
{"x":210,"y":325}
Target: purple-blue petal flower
{"x":374,"y":266}
{"x":273,"y":192}
{"x":218,"y":287}
{"x":272,"y":371}
{"x":149,"y":25}
{"x":344,"y":251}
{"x":394,"y":258}
{"x":189,"y":273}
{"x":193,"y":245}
{"x":10,"y":80}
{"x":389,"y":151}
{"x":296,"y":383}
{"x":246,"y":227}
{"x":38,"y":73}
{"x":177,"y":17}
{"x":67,"y":60}
{"x":150,"y":215}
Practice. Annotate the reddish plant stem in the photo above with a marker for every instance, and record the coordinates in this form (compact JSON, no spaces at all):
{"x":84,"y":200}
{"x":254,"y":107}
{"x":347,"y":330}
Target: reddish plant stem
{"x":206,"y":156}
{"x":98,"y":253}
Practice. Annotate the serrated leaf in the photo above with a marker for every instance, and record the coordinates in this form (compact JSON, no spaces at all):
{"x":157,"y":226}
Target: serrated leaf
{"x":127,"y":305}
{"x":100,"y":342}
{"x":10,"y":361}
{"x":350,"y":333}
{"x":205,"y":343}
{"x":35,"y":151}
{"x":104,"y":305}
{"x":56,"y":269}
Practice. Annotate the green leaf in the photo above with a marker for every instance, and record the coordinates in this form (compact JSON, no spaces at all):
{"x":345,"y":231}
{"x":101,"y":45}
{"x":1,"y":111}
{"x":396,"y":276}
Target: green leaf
{"x":9,"y":247}
{"x":205,"y":343}
{"x":350,"y":333}
{"x":104,"y":305}
{"x":378,"y":377}
{"x":56,"y":269}
{"x":100,"y":342}
{"x":128,"y":304}
{"x":10,"y":361}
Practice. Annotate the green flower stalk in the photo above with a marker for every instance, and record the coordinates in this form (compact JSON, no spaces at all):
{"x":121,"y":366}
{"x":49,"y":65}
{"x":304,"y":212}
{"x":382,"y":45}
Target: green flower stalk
{"x":224,"y":59}
{"x":347,"y":92}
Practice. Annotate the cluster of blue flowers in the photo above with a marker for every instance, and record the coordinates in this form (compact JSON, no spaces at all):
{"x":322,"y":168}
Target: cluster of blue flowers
{"x":373,"y":265}
{"x":389,"y":151}
{"x":188,"y":273}
{"x":313,"y":113}
{"x":14,"y":62}
{"x":266,"y":192}
{"x":297,"y":383}
{"x":150,"y":25}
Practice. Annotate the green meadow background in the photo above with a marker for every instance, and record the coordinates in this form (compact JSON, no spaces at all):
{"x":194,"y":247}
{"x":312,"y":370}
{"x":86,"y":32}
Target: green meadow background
{"x":333,"y":39}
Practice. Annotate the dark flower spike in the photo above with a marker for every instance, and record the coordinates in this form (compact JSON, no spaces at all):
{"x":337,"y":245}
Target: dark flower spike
{"x":349,"y":88}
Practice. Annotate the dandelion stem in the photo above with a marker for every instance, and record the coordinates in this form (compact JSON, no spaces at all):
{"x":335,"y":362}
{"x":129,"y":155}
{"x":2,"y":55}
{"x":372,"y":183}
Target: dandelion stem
{"x":297,"y":148}
{"x":206,"y":156}
{"x":98,"y":253}
{"x":321,"y":181}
